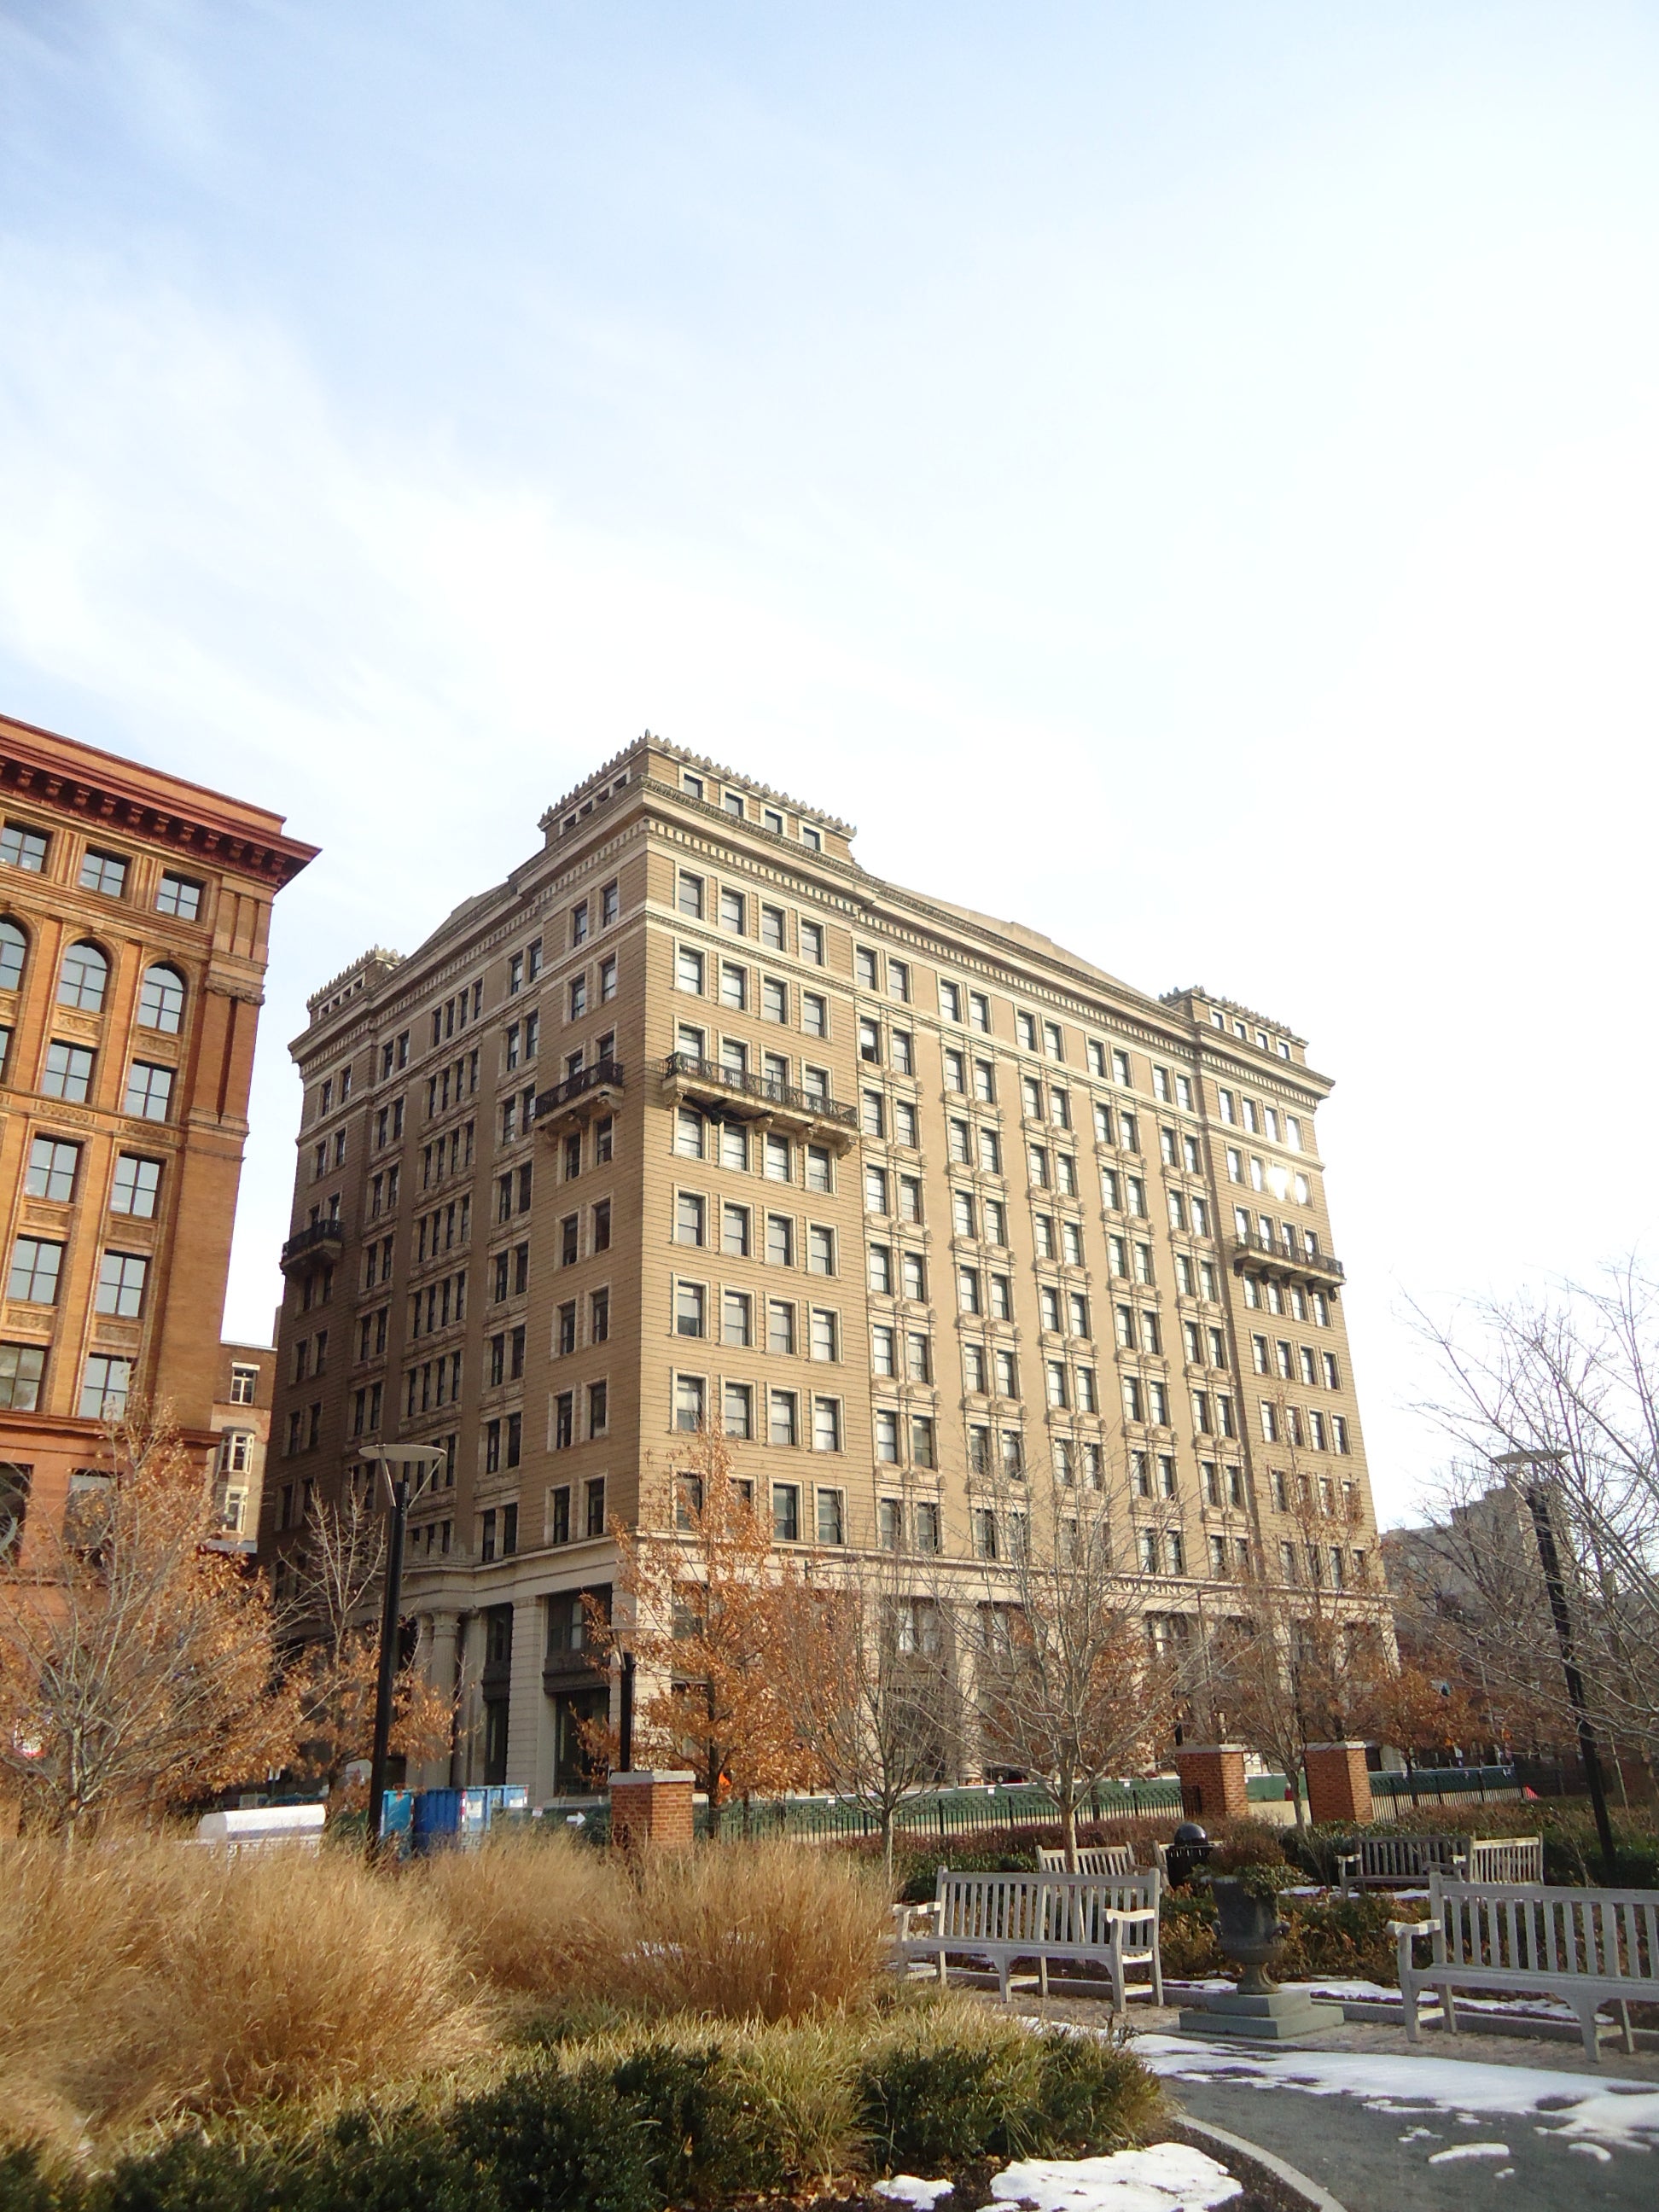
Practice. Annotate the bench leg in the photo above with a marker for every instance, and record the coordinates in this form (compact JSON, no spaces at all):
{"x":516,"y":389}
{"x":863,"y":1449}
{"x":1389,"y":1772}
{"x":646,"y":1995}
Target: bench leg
{"x":1447,"y":2008}
{"x":1043,"y":1974}
{"x":1408,"y":1993}
{"x":1629,"y":2044}
{"x":1587,"y":2022}
{"x":941,"y":1970}
{"x":1005,"y":1967}
{"x":1157,"y":1971}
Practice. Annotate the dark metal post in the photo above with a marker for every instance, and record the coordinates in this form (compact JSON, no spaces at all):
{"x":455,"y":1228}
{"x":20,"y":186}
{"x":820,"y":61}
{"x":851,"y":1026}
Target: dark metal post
{"x":1549,"y":1559}
{"x":384,"y":1687}
{"x":625,"y":1730}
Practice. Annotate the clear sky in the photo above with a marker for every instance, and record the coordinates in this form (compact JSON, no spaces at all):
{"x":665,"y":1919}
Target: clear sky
{"x":1184,"y":475}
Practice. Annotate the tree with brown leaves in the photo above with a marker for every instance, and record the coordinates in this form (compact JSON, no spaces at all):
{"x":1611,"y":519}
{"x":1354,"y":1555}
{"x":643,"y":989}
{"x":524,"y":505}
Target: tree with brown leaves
{"x":138,"y":1667}
{"x":705,"y":1609}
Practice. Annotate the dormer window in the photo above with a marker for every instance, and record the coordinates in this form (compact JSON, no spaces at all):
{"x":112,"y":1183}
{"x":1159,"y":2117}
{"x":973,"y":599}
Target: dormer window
{"x":812,"y":839}
{"x":692,"y":785}
{"x":734,"y":804}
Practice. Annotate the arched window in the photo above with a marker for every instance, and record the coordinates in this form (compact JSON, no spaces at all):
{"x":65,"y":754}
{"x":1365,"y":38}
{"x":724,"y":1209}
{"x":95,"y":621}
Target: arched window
{"x":86,"y":972}
{"x":14,"y":951}
{"x":161,"y":1000}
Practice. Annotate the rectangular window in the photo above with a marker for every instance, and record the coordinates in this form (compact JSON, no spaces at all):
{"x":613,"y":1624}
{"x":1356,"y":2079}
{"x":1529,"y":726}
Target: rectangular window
{"x":105,"y":873}
{"x":52,"y":1167}
{"x":830,"y":1517}
{"x":820,"y":1250}
{"x":22,"y":1367}
{"x":880,"y":1273}
{"x":780,"y":1241}
{"x":689,"y":1219}
{"x":68,"y":1071}
{"x":121,"y":1286}
{"x":689,"y":1402}
{"x":781,"y":1429}
{"x":826,"y":1425}
{"x":786,"y":1513}
{"x":594,"y":1501}
{"x":734,"y":986}
{"x":105,"y":1384}
{"x":811,"y":943}
{"x":689,"y":1305}
{"x":734,"y":1230}
{"x":736,"y":1404}
{"x":825,"y":1333}
{"x":780,"y":1326}
{"x":687,"y":972}
{"x":22,"y":848}
{"x":35,"y":1266}
{"x":737,"y":1318}
{"x":150,"y":1091}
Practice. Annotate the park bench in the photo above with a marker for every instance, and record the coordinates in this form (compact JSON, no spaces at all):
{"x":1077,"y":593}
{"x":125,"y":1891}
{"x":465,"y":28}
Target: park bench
{"x":1403,"y":1862}
{"x":1587,"y":1947}
{"x":1397,"y":1862}
{"x":1101,"y":1921}
{"x":1113,"y":1860}
{"x":1505,"y":1859}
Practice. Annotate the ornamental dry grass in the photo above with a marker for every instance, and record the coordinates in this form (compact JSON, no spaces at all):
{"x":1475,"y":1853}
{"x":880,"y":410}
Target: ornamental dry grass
{"x":142,"y":1979}
{"x":532,"y":1917}
{"x":755,"y":1931}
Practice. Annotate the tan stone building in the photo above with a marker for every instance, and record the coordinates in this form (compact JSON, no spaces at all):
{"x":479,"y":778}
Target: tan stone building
{"x":691,"y":1116}
{"x":134,"y":913}
{"x":241,"y":1421}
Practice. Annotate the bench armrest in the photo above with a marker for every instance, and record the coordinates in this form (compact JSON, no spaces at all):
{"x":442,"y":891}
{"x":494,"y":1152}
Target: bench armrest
{"x":913,"y":1921}
{"x":1405,"y":1932}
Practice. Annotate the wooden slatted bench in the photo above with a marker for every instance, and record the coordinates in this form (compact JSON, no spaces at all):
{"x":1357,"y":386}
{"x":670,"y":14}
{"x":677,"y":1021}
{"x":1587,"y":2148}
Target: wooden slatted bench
{"x":1587,"y":1947}
{"x":1116,"y":1861}
{"x":1505,"y":1859}
{"x":1397,"y":1862}
{"x":1111,"y":1923}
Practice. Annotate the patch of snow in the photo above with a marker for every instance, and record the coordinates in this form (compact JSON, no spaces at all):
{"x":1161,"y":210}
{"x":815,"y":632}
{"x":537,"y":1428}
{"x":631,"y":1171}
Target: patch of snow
{"x":1603,"y":2110}
{"x":1165,"y":2177}
{"x":908,"y":2189}
{"x":1419,"y":2134}
{"x":1592,"y":2150}
{"x":1469,"y":2151}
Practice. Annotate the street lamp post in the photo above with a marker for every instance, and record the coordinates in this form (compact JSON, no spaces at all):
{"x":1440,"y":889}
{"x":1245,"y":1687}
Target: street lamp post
{"x":426,"y":1460}
{"x":1537,"y":1495}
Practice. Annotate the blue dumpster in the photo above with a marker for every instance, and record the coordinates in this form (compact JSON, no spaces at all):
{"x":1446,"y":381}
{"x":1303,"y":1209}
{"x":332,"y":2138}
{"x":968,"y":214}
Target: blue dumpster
{"x":437,"y":1823}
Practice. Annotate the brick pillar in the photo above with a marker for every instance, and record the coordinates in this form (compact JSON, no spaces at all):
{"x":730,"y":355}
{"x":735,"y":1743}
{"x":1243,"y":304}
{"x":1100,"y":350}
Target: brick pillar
{"x":649,"y":1806}
{"x":1213,"y":1781}
{"x":1339,"y":1786}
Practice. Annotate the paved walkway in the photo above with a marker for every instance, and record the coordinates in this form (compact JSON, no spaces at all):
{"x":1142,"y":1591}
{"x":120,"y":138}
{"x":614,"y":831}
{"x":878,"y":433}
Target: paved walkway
{"x":1449,"y":2125}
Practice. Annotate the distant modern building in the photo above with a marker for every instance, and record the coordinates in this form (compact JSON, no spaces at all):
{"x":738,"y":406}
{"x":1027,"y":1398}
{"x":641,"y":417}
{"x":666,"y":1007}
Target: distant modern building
{"x":692,"y":1117}
{"x":135,"y":910}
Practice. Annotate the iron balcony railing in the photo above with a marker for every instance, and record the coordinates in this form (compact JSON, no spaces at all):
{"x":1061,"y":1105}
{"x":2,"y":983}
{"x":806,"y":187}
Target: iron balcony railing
{"x":686,"y":1068}
{"x":604,"y":1075}
{"x":319,"y":1238}
{"x":1301,"y":1261}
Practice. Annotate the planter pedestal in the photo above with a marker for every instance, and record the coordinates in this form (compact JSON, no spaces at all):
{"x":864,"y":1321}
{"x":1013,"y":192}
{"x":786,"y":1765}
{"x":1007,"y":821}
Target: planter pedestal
{"x":1277,"y":2016}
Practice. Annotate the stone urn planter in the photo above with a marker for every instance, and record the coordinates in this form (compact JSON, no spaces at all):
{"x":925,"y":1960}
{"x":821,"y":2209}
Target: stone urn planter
{"x":1249,"y":1930}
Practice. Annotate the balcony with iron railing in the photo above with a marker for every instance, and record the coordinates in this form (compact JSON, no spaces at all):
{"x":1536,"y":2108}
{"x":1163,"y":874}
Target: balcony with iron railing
{"x":1277,"y":1258}
{"x":321,"y":1240}
{"x":584,"y":1091}
{"x":737,"y":1091}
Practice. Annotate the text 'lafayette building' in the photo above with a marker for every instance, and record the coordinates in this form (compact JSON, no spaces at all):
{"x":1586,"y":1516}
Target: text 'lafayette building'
{"x":693,"y":1118}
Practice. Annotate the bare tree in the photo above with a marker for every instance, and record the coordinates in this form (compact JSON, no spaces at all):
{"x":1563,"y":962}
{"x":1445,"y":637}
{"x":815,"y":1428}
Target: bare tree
{"x":1064,"y":1682}
{"x":1304,"y":1653}
{"x":1553,"y":1403}
{"x":138,"y":1667}
{"x":330,"y":1622}
{"x":863,"y":1654}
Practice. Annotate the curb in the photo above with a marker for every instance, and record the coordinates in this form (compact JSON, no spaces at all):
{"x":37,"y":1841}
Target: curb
{"x":1285,"y":2184}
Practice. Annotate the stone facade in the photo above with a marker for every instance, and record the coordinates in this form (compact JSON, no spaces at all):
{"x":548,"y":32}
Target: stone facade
{"x":241,"y":1421}
{"x":134,"y":913}
{"x":693,"y":1115}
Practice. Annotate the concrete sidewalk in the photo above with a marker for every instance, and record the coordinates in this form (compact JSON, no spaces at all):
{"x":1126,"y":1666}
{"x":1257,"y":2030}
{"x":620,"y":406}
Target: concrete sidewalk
{"x":1388,"y":2126}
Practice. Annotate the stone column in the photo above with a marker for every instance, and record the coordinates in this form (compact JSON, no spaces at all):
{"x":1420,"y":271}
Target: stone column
{"x":1339,"y":1786}
{"x":1213,"y":1781}
{"x":653,"y":1807}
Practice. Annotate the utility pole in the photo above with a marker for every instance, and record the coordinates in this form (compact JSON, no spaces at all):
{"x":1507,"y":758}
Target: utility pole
{"x":1537,"y":1493}
{"x":426,"y":1460}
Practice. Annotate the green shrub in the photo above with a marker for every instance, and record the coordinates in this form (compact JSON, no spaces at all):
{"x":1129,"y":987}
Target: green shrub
{"x":549,"y":2138}
{"x":1092,"y":2096}
{"x":707,"y":2141}
{"x":23,"y":2187}
{"x":1341,"y":1938}
{"x":193,"y":2174}
{"x":1186,"y":1932}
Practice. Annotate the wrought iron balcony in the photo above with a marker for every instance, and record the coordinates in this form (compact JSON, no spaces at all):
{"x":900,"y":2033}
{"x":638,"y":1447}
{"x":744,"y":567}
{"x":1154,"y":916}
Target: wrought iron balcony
{"x":322,"y":1240}
{"x":585,"y":1090}
{"x":736,"y":1091}
{"x":1279,"y":1259}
